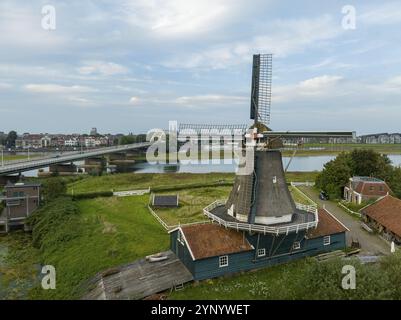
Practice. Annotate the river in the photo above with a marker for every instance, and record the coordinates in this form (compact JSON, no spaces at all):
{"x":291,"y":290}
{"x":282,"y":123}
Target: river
{"x":302,"y":164}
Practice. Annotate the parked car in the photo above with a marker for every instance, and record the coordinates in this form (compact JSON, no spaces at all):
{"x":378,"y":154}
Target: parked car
{"x":323,"y":196}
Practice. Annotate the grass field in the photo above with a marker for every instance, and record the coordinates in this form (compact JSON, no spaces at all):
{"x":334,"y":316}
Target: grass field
{"x":114,"y":231}
{"x":132,"y":181}
{"x":192,"y":202}
{"x":262,"y":284}
{"x":299,"y":197}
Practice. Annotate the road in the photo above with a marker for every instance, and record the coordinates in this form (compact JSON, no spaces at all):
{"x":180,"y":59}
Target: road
{"x":370,"y":244}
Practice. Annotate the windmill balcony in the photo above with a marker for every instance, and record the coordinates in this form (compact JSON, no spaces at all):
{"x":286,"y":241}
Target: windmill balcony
{"x":216,"y":211}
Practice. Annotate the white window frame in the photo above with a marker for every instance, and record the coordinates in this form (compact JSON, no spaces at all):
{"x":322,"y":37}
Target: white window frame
{"x":325,"y":242}
{"x":180,"y":237}
{"x":223,"y":261}
{"x":261,"y":252}
{"x":296,"y":245}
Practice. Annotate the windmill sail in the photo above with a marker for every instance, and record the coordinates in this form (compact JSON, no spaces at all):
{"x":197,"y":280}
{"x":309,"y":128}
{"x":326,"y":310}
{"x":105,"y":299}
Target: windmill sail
{"x":261,"y":88}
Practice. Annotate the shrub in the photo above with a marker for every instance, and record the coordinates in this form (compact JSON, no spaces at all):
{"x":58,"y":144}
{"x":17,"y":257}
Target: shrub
{"x":92,"y":195}
{"x":51,"y":224}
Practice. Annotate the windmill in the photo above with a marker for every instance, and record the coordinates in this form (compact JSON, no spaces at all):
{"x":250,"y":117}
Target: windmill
{"x":260,"y":200}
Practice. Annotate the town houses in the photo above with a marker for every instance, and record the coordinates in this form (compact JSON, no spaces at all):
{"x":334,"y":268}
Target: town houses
{"x":64,"y":141}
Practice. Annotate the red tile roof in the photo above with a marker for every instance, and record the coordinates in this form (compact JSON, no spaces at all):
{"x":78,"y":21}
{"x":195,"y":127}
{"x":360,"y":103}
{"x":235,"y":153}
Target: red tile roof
{"x":326,"y":226}
{"x":372,"y":188}
{"x":211,"y":240}
{"x":387,"y":212}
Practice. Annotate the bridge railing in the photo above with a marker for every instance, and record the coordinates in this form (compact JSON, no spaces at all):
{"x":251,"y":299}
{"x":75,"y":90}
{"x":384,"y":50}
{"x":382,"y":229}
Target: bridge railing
{"x":67,"y":157}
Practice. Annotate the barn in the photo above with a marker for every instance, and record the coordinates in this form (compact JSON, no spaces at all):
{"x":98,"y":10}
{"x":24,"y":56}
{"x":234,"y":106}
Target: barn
{"x":211,"y":250}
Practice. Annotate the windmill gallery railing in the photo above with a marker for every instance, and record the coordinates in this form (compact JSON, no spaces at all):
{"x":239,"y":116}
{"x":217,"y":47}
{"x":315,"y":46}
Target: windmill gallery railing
{"x":260,"y":228}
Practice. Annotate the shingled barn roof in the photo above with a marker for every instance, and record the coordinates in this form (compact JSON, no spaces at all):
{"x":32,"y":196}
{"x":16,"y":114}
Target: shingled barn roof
{"x":387,"y":212}
{"x":211,"y":240}
{"x":327,"y":225}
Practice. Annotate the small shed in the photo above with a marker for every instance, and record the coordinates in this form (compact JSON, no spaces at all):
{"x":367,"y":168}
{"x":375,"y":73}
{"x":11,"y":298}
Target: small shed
{"x":169,"y":201}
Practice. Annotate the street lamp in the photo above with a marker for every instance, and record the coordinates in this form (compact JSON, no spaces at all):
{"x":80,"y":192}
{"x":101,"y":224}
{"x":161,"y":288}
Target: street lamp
{"x":2,"y":157}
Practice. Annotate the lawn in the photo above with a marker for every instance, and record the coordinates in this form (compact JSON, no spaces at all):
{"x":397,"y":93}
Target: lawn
{"x":192,"y":202}
{"x":132,"y":181}
{"x":299,"y":197}
{"x":113,"y":231}
{"x":260,"y":285}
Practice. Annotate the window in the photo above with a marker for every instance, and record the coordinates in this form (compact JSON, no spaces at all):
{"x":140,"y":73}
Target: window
{"x":381,"y":188}
{"x":372,"y":188}
{"x":326,"y":240}
{"x":261,"y":252}
{"x":296,"y":245}
{"x":180,"y":238}
{"x":223,"y":261}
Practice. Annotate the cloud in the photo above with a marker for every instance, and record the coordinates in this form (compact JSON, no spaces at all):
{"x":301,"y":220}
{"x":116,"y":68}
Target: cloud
{"x":177,"y":18}
{"x":20,"y":27}
{"x":134,"y":100}
{"x":317,"y":87}
{"x":281,"y":37}
{"x":103,"y":68}
{"x":383,"y":14}
{"x":56,"y":88}
{"x":5,"y":86}
{"x":210,"y":99}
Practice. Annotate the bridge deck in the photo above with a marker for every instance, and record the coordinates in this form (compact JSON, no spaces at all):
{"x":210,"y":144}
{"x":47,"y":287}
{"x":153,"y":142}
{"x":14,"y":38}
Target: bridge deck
{"x":67,"y":157}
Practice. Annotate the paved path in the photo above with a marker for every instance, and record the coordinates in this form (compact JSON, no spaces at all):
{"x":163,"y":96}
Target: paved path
{"x":370,"y":244}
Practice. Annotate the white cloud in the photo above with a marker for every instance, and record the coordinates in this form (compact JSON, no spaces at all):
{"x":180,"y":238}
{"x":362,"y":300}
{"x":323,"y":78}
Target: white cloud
{"x":20,"y":27}
{"x":134,"y":100}
{"x":318,"y":85}
{"x":102,"y":67}
{"x":180,"y":17}
{"x":281,"y":37}
{"x":210,"y":99}
{"x":312,"y":88}
{"x":5,"y":86}
{"x":55,"y":88}
{"x":383,"y":14}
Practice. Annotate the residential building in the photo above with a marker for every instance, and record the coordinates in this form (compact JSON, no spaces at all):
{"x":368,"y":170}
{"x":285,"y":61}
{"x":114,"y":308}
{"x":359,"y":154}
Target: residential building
{"x":20,"y":199}
{"x":360,"y":189}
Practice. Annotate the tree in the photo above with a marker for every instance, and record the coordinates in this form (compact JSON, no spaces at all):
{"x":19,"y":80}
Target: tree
{"x":335,"y":175}
{"x":337,"y":172}
{"x":53,"y":188}
{"x":11,"y":137}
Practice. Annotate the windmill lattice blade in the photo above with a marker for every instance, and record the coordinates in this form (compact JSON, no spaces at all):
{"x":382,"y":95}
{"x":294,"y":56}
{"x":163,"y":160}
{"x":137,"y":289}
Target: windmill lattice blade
{"x":261,"y":88}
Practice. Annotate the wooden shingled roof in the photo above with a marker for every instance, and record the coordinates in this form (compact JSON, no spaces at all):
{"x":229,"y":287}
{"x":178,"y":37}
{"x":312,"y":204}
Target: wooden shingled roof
{"x":326,"y":226}
{"x":387,"y":212}
{"x":211,"y":240}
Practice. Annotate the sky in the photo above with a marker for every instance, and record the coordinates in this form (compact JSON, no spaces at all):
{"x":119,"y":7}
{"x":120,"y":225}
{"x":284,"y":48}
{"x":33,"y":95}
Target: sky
{"x":132,"y":65}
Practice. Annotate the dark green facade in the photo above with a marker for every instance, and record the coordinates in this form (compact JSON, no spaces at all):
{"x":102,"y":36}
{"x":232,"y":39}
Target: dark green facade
{"x":279,"y":249}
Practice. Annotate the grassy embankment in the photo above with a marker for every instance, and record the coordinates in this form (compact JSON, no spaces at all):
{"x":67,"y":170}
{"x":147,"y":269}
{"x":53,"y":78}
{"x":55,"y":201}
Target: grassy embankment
{"x":109,"y":231}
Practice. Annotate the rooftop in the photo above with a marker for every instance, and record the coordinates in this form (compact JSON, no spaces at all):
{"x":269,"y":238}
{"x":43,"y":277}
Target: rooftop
{"x":327,"y":225}
{"x":387,"y":212}
{"x":224,"y":241}
{"x":22,"y":184}
{"x":367,"y":179}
